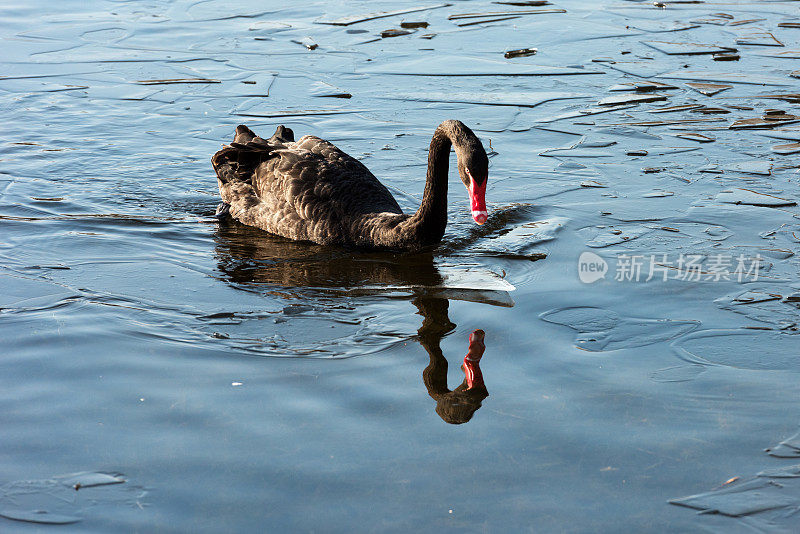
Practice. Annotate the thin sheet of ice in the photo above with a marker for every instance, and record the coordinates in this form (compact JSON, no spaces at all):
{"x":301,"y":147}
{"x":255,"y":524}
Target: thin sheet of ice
{"x":752,"y":198}
{"x":603,"y":330}
{"x":729,"y":77}
{"x":673,"y":48}
{"x":758,"y":350}
{"x":468,"y":66}
{"x":523,"y":98}
{"x":463,"y":277}
{"x":353,"y":19}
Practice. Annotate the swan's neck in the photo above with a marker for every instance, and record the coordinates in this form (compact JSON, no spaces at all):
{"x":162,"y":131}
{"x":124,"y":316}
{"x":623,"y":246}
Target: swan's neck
{"x":431,"y":217}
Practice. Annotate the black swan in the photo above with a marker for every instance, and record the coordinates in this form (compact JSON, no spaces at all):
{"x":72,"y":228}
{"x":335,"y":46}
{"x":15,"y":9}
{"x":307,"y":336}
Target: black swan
{"x":309,"y":190}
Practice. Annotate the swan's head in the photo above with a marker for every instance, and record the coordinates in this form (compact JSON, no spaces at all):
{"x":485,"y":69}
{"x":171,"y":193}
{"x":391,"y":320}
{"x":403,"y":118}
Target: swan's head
{"x":475,"y":173}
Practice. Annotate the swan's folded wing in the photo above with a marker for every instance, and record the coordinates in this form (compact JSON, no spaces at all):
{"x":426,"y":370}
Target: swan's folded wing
{"x":306,"y":190}
{"x":332,"y":154}
{"x":238,"y":162}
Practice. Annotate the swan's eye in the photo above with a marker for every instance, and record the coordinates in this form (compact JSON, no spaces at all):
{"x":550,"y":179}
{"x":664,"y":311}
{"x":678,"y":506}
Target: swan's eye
{"x":479,"y":179}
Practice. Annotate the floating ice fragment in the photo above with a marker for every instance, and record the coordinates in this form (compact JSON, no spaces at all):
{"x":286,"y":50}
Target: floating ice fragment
{"x":758,"y":39}
{"x":642,"y":86}
{"x":269,"y":26}
{"x":657,"y":26}
{"x":767,"y":121}
{"x":90,"y":479}
{"x":716,"y":21}
{"x":484,"y":21}
{"x":752,"y":297}
{"x":666,"y":122}
{"x":750,"y":167}
{"x":521,"y":241}
{"x":783,"y":54}
{"x":742,"y":499}
{"x":776,"y":253}
{"x":711,"y":111}
{"x":521,"y":52}
{"x":792,"y":471}
{"x":353,"y":19}
{"x":585,"y":112}
{"x":658,"y":194}
{"x":308,"y":42}
{"x":460,"y":16}
{"x":692,"y":136}
{"x":743,"y":22}
{"x":299,"y":113}
{"x":725,"y":56}
{"x":631,"y":99}
{"x":394,"y":32}
{"x":643,"y":69}
{"x":743,"y":348}
{"x":730,"y":77}
{"x":577,"y":152}
{"x":521,"y":99}
{"x":788,"y":448}
{"x":323,"y":89}
{"x":752,"y":198}
{"x":680,"y":373}
{"x":670,"y":109}
{"x":177,"y":81}
{"x":54,"y":501}
{"x":613,"y":236}
{"x":673,"y":48}
{"x":794,"y":98}
{"x":790,"y":148}
{"x":603,"y":330}
{"x":522,"y":3}
{"x":39,"y":516}
{"x":469,"y":66}
{"x":708,"y":89}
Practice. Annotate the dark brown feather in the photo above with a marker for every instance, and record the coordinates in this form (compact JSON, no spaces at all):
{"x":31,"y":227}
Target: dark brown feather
{"x":310,"y":190}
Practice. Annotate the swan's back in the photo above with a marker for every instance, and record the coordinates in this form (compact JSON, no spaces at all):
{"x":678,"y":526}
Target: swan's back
{"x":305,"y":190}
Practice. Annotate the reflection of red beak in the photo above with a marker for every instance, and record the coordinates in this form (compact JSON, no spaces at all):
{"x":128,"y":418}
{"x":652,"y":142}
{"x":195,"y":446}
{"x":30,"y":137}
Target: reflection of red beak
{"x":472,"y":370}
{"x":477,"y":197}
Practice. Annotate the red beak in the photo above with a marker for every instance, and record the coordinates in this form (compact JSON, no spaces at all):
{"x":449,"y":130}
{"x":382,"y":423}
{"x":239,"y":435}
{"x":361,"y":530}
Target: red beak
{"x":477,"y":197}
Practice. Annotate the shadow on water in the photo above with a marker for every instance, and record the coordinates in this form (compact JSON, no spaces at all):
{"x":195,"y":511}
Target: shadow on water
{"x":250,"y":259}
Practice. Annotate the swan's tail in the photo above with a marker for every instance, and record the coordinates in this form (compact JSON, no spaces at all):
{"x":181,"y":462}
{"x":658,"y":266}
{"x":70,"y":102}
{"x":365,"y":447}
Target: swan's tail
{"x":282,"y":135}
{"x":244,"y":135}
{"x":238,"y":161}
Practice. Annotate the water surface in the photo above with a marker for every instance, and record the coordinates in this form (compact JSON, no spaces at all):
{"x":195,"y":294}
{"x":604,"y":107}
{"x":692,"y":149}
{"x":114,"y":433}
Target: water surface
{"x":235,"y":381}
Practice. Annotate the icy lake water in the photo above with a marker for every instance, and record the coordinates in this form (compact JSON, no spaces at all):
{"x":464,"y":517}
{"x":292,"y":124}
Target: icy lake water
{"x":165,"y":373}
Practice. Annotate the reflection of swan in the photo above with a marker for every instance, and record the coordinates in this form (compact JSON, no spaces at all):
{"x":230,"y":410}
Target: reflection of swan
{"x":453,"y":406}
{"x":309,"y":190}
{"x":248,"y":257}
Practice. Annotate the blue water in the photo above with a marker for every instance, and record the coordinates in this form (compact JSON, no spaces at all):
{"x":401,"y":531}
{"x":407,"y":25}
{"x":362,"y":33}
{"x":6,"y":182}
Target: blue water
{"x":238,"y":382}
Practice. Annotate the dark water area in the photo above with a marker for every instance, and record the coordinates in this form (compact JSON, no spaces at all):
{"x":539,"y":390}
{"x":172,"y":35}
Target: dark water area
{"x":637,"y":280}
